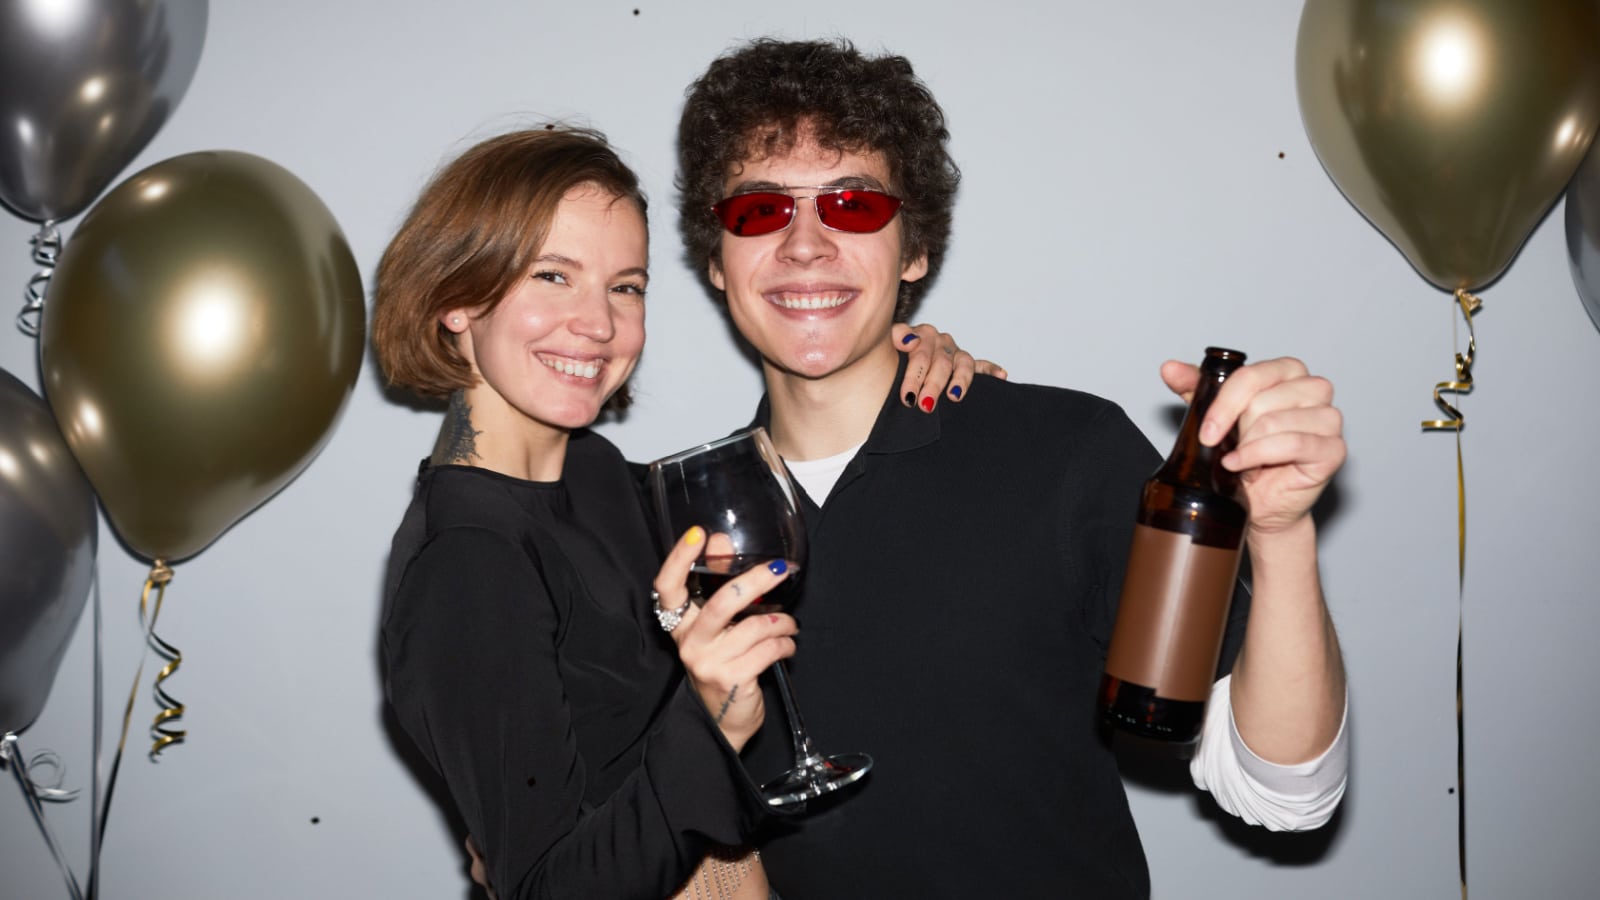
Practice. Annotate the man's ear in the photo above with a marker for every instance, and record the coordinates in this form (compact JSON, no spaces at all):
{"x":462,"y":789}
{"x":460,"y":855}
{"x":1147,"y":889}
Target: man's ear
{"x":714,"y":272}
{"x":915,"y":269}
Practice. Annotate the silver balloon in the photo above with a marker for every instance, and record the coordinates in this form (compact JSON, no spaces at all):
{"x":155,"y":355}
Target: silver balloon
{"x":48,"y":529}
{"x":84,"y":86}
{"x":1583,"y":232}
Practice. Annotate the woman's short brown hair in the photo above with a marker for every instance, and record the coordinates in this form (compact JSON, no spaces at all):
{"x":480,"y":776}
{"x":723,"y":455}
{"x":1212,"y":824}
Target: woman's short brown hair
{"x":473,"y":233}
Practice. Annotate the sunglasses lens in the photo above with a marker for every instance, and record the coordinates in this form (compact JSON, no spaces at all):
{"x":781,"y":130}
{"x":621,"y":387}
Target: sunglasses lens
{"x":748,"y":215}
{"x":856,"y":211}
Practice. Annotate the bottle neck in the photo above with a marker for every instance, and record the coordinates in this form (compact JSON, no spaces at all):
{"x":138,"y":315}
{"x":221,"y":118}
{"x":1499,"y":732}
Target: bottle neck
{"x":1191,"y":463}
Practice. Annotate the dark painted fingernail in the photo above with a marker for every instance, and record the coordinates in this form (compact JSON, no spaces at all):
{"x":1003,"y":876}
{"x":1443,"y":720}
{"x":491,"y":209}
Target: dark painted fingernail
{"x":908,"y":339}
{"x":911,"y":398}
{"x":955,"y":391}
{"x":927,"y":404}
{"x":778,"y":566}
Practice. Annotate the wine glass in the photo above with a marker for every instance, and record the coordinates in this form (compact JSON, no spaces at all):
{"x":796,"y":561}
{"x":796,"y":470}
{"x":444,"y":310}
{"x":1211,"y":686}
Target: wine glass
{"x":738,"y":490}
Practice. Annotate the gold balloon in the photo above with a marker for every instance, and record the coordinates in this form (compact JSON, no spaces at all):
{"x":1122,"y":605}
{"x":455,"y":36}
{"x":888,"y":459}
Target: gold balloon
{"x":1452,"y":125}
{"x":202,"y":331}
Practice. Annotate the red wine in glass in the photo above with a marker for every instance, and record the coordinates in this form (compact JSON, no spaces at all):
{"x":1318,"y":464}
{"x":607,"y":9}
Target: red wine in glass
{"x":712,"y":572}
{"x":738,"y":490}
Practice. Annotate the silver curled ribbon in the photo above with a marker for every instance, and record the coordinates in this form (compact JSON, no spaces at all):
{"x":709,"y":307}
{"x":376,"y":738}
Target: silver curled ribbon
{"x":46,"y":250}
{"x":35,"y":791}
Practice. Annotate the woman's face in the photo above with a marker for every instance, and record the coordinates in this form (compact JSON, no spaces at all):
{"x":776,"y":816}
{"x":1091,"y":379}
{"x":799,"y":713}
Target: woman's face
{"x":566,"y":336}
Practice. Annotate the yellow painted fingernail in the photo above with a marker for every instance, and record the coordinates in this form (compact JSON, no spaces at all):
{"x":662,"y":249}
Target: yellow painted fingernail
{"x":695,"y":536}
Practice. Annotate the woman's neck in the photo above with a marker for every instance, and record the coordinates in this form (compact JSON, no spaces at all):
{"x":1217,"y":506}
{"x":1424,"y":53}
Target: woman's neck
{"x":484,"y":431}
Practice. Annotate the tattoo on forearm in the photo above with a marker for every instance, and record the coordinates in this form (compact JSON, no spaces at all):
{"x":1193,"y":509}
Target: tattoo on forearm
{"x":727,"y":703}
{"x":457,"y":438}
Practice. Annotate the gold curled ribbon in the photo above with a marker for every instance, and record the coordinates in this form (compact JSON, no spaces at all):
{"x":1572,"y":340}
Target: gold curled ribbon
{"x":160,"y":574}
{"x":1462,"y":384}
{"x":161,"y":733}
{"x":1463,"y":381}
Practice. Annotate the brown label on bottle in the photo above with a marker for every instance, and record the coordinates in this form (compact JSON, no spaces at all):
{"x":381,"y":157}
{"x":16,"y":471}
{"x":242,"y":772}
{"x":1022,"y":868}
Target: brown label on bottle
{"x":1172,"y":614}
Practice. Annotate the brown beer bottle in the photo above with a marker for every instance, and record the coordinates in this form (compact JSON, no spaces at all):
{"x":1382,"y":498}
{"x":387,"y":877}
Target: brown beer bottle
{"x":1181,"y":571}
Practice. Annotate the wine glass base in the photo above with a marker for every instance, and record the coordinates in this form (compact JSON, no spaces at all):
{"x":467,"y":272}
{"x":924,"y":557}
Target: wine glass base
{"x":826,"y":774}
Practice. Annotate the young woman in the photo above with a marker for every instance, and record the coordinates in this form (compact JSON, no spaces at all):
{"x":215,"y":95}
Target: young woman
{"x":521,"y":649}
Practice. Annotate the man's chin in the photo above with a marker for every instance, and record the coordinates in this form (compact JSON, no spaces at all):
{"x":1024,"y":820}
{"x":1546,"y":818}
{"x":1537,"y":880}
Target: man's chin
{"x":812,"y":364}
{"x":815,"y":365}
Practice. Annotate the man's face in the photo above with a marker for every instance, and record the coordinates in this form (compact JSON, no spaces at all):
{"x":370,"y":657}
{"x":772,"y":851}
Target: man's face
{"x":813,"y":301}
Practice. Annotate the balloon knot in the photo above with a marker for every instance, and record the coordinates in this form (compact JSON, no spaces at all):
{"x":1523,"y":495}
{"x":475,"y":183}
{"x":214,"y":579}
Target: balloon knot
{"x":160,"y":573}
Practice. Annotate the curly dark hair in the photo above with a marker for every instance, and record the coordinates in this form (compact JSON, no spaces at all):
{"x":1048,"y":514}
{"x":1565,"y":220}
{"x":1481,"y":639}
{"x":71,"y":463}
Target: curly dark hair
{"x":759,"y":99}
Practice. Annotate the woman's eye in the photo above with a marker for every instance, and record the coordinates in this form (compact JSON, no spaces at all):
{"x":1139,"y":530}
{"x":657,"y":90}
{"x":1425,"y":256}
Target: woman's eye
{"x":632,"y":290}
{"x":551,"y":276}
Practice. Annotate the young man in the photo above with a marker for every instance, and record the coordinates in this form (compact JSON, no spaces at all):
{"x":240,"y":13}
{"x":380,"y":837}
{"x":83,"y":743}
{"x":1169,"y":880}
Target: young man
{"x":817,"y":192}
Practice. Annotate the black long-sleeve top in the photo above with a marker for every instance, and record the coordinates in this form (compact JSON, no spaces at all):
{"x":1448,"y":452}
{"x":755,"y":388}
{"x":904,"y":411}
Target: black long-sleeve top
{"x":522,"y":656}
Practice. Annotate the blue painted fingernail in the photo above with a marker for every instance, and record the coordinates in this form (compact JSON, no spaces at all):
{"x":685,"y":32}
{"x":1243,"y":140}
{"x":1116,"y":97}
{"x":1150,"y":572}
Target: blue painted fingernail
{"x":908,"y":339}
{"x":955,"y":391}
{"x":777,"y":567}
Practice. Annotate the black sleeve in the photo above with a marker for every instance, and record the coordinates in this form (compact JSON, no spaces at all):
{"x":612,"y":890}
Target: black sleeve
{"x":475,"y":678}
{"x":640,"y":473}
{"x":1115,"y":465}
{"x":1238,"y":618}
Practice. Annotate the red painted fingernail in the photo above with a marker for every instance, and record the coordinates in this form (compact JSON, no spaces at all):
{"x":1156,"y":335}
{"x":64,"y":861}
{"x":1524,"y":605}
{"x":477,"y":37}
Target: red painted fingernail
{"x":773,"y":617}
{"x":927,"y":404}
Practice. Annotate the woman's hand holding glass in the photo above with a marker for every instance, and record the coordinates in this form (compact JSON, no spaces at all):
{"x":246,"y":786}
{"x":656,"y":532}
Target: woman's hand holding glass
{"x":722,"y":656}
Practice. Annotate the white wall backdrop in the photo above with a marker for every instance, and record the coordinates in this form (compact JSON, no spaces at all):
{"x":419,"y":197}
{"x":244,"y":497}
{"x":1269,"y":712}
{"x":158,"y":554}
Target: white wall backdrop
{"x":1138,"y":185}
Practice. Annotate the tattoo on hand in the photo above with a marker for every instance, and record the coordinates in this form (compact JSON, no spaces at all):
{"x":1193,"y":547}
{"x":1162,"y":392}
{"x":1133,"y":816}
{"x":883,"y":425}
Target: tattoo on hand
{"x":457,"y":438}
{"x":727,"y":703}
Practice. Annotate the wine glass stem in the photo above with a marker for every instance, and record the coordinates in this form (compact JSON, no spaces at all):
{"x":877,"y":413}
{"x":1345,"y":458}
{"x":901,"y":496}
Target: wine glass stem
{"x":804,"y":755}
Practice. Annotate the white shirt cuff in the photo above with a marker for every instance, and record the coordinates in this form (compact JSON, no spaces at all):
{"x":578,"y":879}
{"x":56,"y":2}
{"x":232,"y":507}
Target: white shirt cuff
{"x":1296,"y":797}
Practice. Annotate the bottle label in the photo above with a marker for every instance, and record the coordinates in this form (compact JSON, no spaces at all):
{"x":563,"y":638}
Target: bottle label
{"x":1172,"y":614}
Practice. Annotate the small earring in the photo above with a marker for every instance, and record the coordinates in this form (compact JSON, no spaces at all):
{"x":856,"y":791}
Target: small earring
{"x":456,"y":321}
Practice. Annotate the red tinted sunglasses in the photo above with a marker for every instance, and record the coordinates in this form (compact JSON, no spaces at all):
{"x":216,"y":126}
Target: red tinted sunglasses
{"x":852,"y":210}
